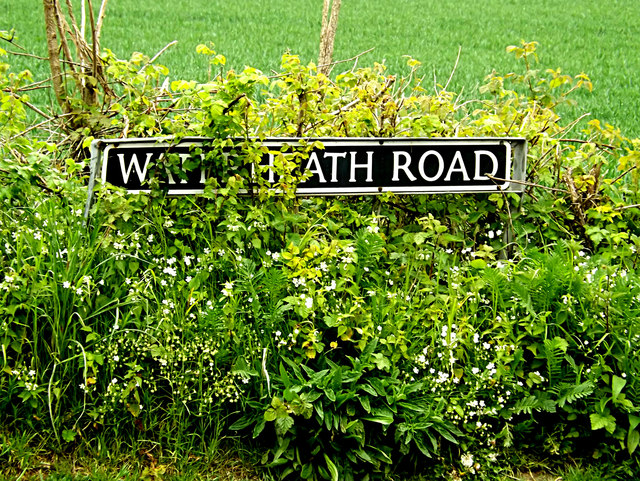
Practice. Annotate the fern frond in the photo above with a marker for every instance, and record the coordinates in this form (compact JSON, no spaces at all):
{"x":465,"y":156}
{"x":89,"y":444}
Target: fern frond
{"x":570,"y":393}
{"x":367,"y":246}
{"x":273,"y":285}
{"x":534,"y":403}
{"x":554,"y":351}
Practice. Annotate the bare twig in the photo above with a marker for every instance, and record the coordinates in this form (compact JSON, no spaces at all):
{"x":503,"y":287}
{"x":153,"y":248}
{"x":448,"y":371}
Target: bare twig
{"x":54,"y":60}
{"x":354,"y":58}
{"x":630,"y":169}
{"x":582,"y":141}
{"x":155,"y":57}
{"x":36,"y":110}
{"x":12,"y":39}
{"x":40,"y":124}
{"x":63,"y":29}
{"x":529,"y":184}
{"x":344,"y":107}
{"x":455,"y":67}
{"x":24,"y":54}
{"x":35,"y":85}
{"x":625,"y":207}
{"x":570,"y":127}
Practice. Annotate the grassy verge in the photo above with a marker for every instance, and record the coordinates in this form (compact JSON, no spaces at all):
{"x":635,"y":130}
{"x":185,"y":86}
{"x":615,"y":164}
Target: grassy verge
{"x":26,"y":462}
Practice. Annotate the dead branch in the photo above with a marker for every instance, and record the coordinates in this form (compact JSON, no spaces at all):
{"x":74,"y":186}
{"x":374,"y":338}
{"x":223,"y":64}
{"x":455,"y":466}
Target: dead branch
{"x":528,"y":184}
{"x":24,"y":54}
{"x":101,"y":14}
{"x":155,"y":57}
{"x":354,"y":58}
{"x":453,"y":71}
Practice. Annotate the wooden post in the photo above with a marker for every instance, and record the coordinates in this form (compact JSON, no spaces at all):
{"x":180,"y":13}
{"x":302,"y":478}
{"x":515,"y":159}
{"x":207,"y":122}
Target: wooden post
{"x":330,"y":12}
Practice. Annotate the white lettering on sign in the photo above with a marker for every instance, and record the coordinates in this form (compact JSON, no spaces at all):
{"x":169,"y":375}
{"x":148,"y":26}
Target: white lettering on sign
{"x":334,"y":163}
{"x":457,"y":159}
{"x":440,"y":165}
{"x":494,"y":163}
{"x":367,"y":165}
{"x":402,"y":164}
{"x":272,"y":177}
{"x":140,"y":171}
{"x":313,"y":159}
{"x":362,"y":167}
{"x":397,"y":166}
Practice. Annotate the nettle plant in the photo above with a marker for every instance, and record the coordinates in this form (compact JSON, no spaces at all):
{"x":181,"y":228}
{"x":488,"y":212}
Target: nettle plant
{"x":344,"y":334}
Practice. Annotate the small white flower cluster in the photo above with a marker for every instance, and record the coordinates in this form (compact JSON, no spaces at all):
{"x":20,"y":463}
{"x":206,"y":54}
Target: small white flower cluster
{"x":168,"y":306}
{"x":307,"y":301}
{"x":288,"y":341}
{"x":9,"y":283}
{"x":347,"y":258}
{"x":491,"y":234}
{"x":274,"y":255}
{"x":227,"y":291}
{"x":83,"y":287}
{"x":27,"y":379}
{"x":449,"y":339}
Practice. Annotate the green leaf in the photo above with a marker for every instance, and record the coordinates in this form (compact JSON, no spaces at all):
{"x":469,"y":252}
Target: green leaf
{"x":384,"y":419}
{"x":333,"y":470}
{"x":617,"y":383}
{"x":283,"y":424}
{"x":362,"y":454}
{"x":307,"y":471}
{"x":331,"y":395}
{"x":319,"y":411}
{"x":633,"y":438}
{"x":257,"y":429}
{"x":68,"y":435}
{"x":242,"y":423}
{"x":366,"y":404}
{"x":284,"y":376}
{"x":605,"y":420}
{"x":478,"y":264}
{"x":420,"y":237}
{"x":381,"y":361}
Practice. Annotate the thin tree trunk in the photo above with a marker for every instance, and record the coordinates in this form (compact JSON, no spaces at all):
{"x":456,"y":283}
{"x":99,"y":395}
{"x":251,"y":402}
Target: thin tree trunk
{"x":50,"y":18}
{"x":330,"y":12}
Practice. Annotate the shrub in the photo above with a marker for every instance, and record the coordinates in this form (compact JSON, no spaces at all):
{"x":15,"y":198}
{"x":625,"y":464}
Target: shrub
{"x":343,"y":334}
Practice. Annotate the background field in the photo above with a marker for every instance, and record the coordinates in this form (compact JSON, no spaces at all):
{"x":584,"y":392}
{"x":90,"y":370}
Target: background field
{"x":599,"y":38}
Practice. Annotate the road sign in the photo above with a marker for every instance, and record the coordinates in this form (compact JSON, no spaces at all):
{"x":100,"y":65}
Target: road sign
{"x":333,"y":166}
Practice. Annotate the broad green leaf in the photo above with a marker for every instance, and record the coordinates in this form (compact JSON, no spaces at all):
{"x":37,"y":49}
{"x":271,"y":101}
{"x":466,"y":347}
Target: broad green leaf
{"x":333,"y":470}
{"x":606,"y":421}
{"x":617,"y":383}
{"x":307,"y":471}
{"x":366,"y":404}
{"x":283,"y":424}
{"x":384,"y":419}
{"x":478,"y":264}
{"x":633,"y":438}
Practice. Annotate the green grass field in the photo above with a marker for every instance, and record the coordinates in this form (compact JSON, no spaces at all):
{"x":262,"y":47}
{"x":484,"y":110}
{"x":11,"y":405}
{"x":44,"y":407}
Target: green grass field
{"x":599,"y":38}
